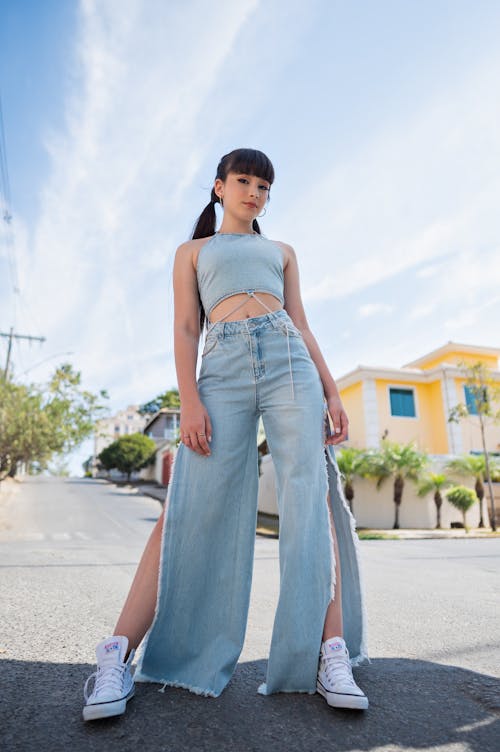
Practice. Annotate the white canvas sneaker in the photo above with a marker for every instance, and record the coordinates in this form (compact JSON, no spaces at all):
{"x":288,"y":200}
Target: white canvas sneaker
{"x":114,"y":684}
{"x":335,"y":680}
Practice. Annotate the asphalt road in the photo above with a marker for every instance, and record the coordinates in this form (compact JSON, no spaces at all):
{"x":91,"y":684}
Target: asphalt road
{"x":68,"y":551}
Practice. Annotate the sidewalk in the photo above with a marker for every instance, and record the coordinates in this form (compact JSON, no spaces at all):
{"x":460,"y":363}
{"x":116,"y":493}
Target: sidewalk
{"x":268,"y":525}
{"x":414,"y":533}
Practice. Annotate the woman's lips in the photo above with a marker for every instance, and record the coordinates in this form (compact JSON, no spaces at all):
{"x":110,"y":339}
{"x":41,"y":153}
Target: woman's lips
{"x":253,"y":206}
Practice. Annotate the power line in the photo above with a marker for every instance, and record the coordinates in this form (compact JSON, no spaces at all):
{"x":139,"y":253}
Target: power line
{"x":11,"y":335}
{"x":5,"y":206}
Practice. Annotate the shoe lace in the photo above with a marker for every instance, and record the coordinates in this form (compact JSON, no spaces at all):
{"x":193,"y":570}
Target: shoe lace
{"x":339,"y":667}
{"x":106,"y":677}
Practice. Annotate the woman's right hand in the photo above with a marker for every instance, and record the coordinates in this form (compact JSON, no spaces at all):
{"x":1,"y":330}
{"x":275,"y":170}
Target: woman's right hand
{"x":195,"y":427}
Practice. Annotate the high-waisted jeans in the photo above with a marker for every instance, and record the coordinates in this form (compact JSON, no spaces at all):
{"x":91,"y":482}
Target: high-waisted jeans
{"x":208,"y":538}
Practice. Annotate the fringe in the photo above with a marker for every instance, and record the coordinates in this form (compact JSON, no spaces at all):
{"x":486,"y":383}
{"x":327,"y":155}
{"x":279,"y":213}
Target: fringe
{"x":262,"y":690}
{"x":160,"y":570}
{"x":174,"y":683}
{"x":333,"y":573}
{"x":362,"y":658}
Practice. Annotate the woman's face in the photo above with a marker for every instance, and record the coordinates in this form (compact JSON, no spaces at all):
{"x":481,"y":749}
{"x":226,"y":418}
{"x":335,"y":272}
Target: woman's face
{"x":243,"y":195}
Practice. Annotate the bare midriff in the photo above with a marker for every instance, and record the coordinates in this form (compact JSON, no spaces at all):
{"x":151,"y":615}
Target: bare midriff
{"x":249,"y":309}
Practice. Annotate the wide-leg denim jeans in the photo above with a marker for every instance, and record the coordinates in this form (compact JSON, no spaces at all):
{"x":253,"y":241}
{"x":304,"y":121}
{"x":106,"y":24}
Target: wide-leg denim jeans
{"x":251,"y":367}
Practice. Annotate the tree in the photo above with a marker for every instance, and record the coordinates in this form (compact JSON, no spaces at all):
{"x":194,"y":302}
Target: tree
{"x":128,"y":453}
{"x":73,"y":412}
{"x":474,"y":465}
{"x":38,"y":423}
{"x":395,"y":460}
{"x":484,"y":398}
{"x":170,"y":398}
{"x":350,"y":462}
{"x":25,"y":431}
{"x":462,"y":498}
{"x":434,"y":482}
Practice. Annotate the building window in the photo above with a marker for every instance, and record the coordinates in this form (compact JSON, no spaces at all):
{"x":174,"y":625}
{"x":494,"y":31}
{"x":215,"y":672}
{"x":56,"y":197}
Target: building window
{"x":402,"y":402}
{"x":117,"y":429}
{"x":471,"y":396}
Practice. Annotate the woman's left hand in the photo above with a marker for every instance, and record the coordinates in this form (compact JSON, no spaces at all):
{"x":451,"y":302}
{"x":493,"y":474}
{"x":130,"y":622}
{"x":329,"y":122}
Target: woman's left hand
{"x":339,"y":419}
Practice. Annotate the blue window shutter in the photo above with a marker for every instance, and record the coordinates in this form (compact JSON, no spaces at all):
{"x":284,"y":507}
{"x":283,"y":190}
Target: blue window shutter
{"x":402,"y":402}
{"x":471,"y":399}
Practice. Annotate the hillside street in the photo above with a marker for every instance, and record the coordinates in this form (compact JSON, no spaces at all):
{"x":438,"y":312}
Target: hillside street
{"x":68,"y":552}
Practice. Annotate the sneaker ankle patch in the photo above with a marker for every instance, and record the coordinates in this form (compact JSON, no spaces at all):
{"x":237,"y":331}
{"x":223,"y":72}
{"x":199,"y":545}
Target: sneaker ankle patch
{"x":335,"y":646}
{"x":111,"y":646}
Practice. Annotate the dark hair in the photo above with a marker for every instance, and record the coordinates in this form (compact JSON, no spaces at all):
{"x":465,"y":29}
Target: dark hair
{"x":248,"y":161}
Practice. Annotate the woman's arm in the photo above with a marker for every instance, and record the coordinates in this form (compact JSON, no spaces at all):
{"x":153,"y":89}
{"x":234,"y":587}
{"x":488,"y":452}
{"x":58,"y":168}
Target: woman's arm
{"x":194,"y":417}
{"x":295,"y":309}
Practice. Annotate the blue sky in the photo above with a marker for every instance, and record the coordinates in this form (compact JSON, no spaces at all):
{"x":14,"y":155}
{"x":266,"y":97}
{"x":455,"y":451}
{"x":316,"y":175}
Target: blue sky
{"x":381,"y":119}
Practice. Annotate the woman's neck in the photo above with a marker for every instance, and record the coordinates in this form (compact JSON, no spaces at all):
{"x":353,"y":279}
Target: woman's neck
{"x":235,"y":228}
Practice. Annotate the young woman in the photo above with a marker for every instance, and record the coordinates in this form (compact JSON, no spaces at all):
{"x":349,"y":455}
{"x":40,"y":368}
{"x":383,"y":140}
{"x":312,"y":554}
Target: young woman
{"x":191,"y":592}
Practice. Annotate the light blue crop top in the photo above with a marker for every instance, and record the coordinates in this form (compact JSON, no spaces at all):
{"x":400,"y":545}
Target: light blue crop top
{"x":230,"y":263}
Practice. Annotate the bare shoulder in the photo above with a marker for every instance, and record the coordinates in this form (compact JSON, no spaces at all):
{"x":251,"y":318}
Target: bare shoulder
{"x":190,"y":249}
{"x":288,"y":252}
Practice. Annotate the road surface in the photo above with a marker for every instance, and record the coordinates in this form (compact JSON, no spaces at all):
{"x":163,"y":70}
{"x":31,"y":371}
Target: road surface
{"x":68,"y":552}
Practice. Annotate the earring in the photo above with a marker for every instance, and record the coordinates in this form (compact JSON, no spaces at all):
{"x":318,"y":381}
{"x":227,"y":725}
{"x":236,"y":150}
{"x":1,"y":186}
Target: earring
{"x":261,"y":215}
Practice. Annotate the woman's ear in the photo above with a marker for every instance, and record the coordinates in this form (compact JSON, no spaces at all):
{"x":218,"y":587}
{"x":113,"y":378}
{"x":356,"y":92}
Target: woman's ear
{"x":218,"y":184}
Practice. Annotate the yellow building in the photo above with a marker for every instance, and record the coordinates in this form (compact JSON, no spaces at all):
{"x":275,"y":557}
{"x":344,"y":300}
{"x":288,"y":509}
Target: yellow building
{"x":412,"y":403}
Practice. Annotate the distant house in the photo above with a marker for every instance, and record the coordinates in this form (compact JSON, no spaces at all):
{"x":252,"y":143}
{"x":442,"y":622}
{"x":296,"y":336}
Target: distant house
{"x":107,"y":430}
{"x":163,"y":427}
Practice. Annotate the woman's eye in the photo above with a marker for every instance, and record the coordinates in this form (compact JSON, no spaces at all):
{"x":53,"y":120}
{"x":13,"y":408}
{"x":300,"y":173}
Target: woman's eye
{"x":262,"y":187}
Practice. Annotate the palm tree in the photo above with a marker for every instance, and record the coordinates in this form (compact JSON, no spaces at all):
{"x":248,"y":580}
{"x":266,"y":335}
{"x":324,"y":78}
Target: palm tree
{"x":434,"y":482}
{"x":350,"y":461}
{"x":403,"y":462}
{"x":474,"y":465}
{"x":462,"y":498}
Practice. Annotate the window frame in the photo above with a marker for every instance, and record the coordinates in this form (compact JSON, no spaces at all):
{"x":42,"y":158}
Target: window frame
{"x":413,"y":391}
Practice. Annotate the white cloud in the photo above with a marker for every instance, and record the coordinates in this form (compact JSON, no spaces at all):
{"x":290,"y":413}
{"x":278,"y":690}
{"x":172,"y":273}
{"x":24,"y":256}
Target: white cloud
{"x":422,"y":310}
{"x":99,"y":272}
{"x":422,"y":189}
{"x":373,"y":309}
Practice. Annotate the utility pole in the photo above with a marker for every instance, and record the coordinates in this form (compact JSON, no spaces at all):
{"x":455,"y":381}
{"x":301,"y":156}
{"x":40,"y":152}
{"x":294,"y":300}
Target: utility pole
{"x":12,"y":336}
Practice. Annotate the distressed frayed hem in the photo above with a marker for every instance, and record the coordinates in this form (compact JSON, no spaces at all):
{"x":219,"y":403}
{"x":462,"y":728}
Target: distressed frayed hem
{"x":332,"y":460}
{"x":262,"y":690}
{"x":329,"y":511}
{"x":166,"y":506}
{"x":171,"y":683}
{"x":360,"y":660}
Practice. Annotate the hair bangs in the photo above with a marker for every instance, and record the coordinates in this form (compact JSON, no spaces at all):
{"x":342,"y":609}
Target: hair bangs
{"x":251,"y":162}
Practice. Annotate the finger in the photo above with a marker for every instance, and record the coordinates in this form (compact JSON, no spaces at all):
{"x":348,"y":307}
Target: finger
{"x":337,"y":423}
{"x":202,"y":440}
{"x":191,"y":443}
{"x":195,"y":444}
{"x":342,"y":435}
{"x":208,"y":427}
